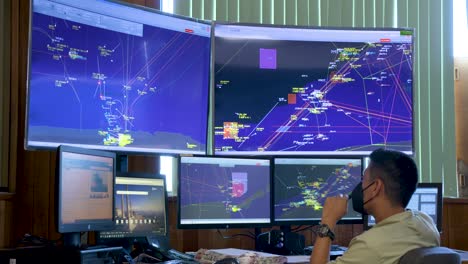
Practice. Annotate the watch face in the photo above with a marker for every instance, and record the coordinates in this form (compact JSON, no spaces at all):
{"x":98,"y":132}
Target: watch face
{"x":323,"y":230}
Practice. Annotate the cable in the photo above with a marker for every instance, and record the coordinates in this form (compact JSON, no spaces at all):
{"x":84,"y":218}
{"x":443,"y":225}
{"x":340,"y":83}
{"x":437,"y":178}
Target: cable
{"x":236,"y":235}
{"x":302,"y":229}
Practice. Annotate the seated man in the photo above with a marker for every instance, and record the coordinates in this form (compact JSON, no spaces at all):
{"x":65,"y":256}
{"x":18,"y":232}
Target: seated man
{"x":387,"y":186}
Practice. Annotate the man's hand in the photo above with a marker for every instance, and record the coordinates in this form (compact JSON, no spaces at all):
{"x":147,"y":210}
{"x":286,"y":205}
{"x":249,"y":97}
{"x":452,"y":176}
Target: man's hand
{"x":334,"y":209}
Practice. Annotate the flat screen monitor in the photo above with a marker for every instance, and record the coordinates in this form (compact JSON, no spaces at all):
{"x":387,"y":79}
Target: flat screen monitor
{"x":312,"y":91}
{"x":140,"y":207}
{"x":427,"y":198}
{"x":108,"y":75}
{"x":301,"y":186}
{"x":85,"y":192}
{"x":224,"y":192}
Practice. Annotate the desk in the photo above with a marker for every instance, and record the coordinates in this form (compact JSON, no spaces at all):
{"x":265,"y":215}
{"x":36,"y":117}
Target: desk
{"x":301,"y":259}
{"x":463,"y":256}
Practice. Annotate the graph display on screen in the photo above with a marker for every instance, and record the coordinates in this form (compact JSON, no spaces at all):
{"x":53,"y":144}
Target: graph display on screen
{"x":140,"y":208}
{"x":301,"y":186}
{"x":285,"y":90}
{"x":217,"y":191}
{"x":108,"y":75}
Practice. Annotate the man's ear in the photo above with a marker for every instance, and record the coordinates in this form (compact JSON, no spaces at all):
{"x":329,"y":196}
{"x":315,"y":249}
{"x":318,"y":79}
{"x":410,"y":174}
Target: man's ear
{"x":378,"y":186}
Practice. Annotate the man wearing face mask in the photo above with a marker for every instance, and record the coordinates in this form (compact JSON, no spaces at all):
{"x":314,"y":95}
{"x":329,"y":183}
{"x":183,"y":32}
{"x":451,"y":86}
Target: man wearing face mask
{"x":387,"y":186}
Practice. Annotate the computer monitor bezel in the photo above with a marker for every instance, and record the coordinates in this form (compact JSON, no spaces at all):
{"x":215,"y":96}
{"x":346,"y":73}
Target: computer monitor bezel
{"x":47,"y":145}
{"x":286,"y":27}
{"x":107,"y":224}
{"x":128,"y":239}
{"x":314,"y":221}
{"x":428,"y":185}
{"x":224,"y":225}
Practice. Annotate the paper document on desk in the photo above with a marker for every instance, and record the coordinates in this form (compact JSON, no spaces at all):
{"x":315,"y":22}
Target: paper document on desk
{"x":242,"y":255}
{"x":300,"y":259}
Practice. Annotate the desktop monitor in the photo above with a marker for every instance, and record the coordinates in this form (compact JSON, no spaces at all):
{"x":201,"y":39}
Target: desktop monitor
{"x":302,"y":184}
{"x":224,"y":192}
{"x":85,"y":192}
{"x":140,"y":209}
{"x":312,"y":91}
{"x":109,"y":75}
{"x":427,"y":198}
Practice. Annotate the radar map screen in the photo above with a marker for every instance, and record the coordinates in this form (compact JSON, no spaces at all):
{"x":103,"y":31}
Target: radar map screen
{"x":111,"y":76}
{"x":303,"y":184}
{"x":224,"y":192}
{"x":312,"y":91}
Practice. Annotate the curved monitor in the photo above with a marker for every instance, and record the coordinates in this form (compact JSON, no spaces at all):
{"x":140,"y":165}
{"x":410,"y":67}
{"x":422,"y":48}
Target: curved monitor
{"x":85,"y":192}
{"x":302,"y":184}
{"x":312,"y":91}
{"x":107,"y":75}
{"x":224,"y":192}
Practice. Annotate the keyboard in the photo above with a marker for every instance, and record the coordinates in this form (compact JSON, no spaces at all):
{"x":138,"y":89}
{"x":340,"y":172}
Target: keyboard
{"x":177,"y":255}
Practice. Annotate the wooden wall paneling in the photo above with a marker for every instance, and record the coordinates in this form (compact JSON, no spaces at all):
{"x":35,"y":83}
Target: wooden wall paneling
{"x":39,"y":172}
{"x":136,"y":2}
{"x":343,"y":233}
{"x":445,"y":227}
{"x":147,"y":164}
{"x":156,"y":4}
{"x":457,"y":223}
{"x":211,"y":238}
{"x":23,"y":201}
{"x":182,"y":240}
{"x":5,"y":223}
{"x":461,"y":126}
{"x":53,"y":234}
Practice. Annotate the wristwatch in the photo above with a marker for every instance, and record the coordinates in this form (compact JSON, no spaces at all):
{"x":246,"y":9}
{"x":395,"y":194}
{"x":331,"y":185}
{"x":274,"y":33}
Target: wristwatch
{"x":324,"y":230}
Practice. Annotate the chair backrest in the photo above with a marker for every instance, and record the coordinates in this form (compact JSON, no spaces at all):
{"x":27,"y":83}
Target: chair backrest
{"x":430,"y":255}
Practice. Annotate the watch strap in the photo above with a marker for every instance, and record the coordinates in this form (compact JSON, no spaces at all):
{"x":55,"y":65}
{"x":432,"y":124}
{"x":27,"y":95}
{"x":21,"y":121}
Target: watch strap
{"x":327,"y":233}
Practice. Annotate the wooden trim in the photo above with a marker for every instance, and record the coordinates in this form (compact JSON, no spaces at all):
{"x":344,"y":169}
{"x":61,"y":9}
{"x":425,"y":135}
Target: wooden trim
{"x":455,"y":200}
{"x":6,"y":196}
{"x":14,"y":91}
{"x":5,"y":91}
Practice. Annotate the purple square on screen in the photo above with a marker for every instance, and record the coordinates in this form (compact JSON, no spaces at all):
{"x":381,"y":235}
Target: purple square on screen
{"x":267,"y":58}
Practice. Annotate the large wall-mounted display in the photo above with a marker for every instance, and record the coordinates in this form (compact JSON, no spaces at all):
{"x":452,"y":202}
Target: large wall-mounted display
{"x":292,"y":90}
{"x":107,"y":75}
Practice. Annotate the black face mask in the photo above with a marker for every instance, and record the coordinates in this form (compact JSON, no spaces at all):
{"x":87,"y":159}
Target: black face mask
{"x":357,"y":197}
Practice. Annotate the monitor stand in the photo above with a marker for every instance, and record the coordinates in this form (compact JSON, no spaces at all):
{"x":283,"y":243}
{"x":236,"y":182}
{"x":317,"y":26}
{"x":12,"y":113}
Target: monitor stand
{"x":281,"y":242}
{"x":72,"y":240}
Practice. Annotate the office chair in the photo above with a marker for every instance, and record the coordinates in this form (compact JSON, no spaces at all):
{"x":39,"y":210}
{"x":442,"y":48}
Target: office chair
{"x":430,"y":255}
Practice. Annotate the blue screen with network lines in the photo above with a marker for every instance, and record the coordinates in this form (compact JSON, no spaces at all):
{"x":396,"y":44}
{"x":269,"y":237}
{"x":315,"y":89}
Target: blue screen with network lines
{"x":291,"y":90}
{"x":112,"y":76}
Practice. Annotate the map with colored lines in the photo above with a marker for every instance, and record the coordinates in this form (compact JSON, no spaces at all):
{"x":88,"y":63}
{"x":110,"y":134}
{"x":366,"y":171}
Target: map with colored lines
{"x":301,"y":189}
{"x":306,"y":96}
{"x":219,"y":194}
{"x":100,"y":87}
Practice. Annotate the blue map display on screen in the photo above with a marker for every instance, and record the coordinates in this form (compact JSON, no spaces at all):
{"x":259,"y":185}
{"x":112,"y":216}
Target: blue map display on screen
{"x":279,"y":95}
{"x":135,"y":87}
{"x":211,"y":193}
{"x":301,"y":188}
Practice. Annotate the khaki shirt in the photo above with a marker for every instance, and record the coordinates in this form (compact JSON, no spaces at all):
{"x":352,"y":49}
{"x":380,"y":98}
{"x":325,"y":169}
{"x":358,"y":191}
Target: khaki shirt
{"x":391,"y":238}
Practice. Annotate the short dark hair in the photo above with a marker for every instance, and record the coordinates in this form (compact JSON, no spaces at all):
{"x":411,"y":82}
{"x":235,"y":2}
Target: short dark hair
{"x":398,"y":173}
